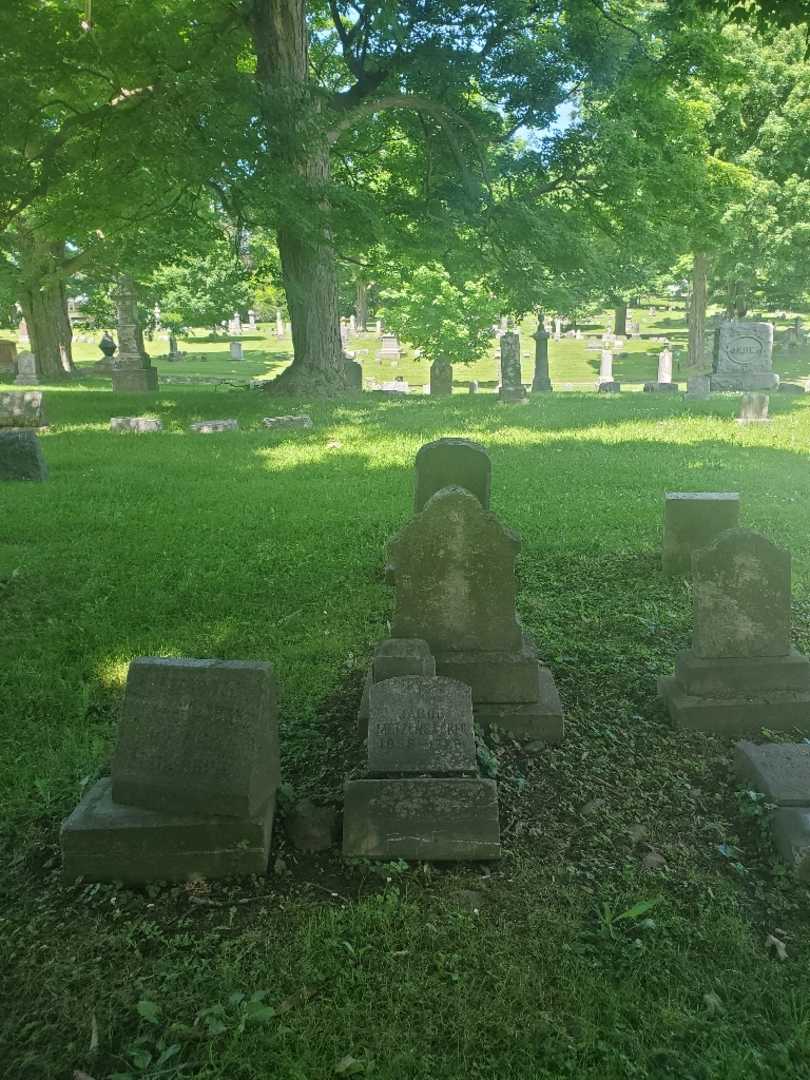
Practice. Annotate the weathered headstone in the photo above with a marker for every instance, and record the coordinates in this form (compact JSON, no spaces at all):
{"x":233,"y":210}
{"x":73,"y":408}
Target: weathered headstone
{"x":27,"y":371}
{"x":178,"y":718}
{"x":693,"y":520}
{"x":21,"y":409}
{"x":252,"y":320}
{"x":453,"y":566}
{"x":606,"y":366}
{"x":287,"y":421}
{"x":21,"y":456}
{"x":132,"y":371}
{"x":389,"y":349}
{"x":209,"y":427}
{"x":741,"y":673}
{"x":698,"y":387}
{"x":511,"y":388}
{"x":235,"y":349}
{"x":541,"y":383}
{"x":743,"y":356}
{"x":753,"y":409}
{"x":472,"y":386}
{"x":8,"y":355}
{"x":279,"y":325}
{"x":140,"y":424}
{"x":441,"y":379}
{"x":354,"y":375}
{"x":452,"y":462}
{"x":665,"y":367}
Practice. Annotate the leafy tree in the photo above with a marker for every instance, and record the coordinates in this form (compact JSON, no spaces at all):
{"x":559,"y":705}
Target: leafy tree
{"x":202,"y":290}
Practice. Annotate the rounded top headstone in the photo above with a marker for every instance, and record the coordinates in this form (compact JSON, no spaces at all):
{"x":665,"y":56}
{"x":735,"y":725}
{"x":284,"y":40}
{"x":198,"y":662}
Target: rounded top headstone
{"x":452,"y":462}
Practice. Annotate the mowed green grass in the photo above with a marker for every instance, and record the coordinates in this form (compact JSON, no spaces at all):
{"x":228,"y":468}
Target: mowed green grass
{"x":572,"y":364}
{"x":573,"y":957}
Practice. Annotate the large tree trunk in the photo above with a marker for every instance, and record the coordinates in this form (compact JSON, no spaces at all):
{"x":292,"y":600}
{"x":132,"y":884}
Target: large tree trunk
{"x":292,"y":115}
{"x":44,"y":306}
{"x":696,"y":359}
{"x":620,"y":320}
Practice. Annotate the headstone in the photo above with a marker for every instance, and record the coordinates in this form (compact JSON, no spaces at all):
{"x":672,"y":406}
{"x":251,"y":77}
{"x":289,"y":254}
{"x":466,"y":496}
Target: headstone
{"x":140,"y":424}
{"x":693,"y":520}
{"x":8,"y":355}
{"x":21,"y":409}
{"x":779,"y":770}
{"x":394,"y":657}
{"x":287,"y":422}
{"x":698,"y":387}
{"x":441,"y":379}
{"x":252,"y":320}
{"x":420,"y":725}
{"x":665,"y":367}
{"x":390,"y":349}
{"x":132,"y":371}
{"x":21,"y":456}
{"x":472,"y":386}
{"x":178,"y":718}
{"x":451,"y":462}
{"x":354,"y":375}
{"x":743,"y":356}
{"x":792,"y":388}
{"x":541,"y":383}
{"x":378,"y":328}
{"x":279,"y":325}
{"x":174,"y":351}
{"x":753,"y":409}
{"x":453,"y":567}
{"x":352,"y":323}
{"x":741,"y":673}
{"x":395,"y":386}
{"x":22,"y":330}
{"x":236,"y":350}
{"x":27,"y":373}
{"x":557,"y":329}
{"x":209,"y":427}
{"x":511,"y":388}
{"x":235,"y":324}
{"x":606,"y":366}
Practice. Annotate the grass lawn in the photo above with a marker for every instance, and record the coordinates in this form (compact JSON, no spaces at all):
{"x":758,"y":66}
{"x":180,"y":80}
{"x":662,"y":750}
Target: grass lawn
{"x":623,"y":934}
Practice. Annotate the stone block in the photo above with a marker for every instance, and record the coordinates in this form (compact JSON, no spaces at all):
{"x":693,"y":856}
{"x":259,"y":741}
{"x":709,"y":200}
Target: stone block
{"x":753,"y":409}
{"x":441,"y":379}
{"x":354,"y":375}
{"x":197,"y":737}
{"x":494,"y":676}
{"x":791,"y":388}
{"x":513,"y":395}
{"x":211,"y":427}
{"x":134,"y":380}
{"x":540,"y":720}
{"x":692,"y":520}
{"x":779,"y":770}
{"x":741,"y":592}
{"x":698,"y":387}
{"x":420,"y":724}
{"x":275,"y":422}
{"x":27,"y":374}
{"x":791,"y":834}
{"x":449,"y":819}
{"x":402,"y":656}
{"x":21,"y":456}
{"x":609,"y":387}
{"x":235,"y":349}
{"x":452,"y":463}
{"x":310,"y":827}
{"x":21,"y":409}
{"x":743,"y":715}
{"x":103,"y":840}
{"x":767,"y":380}
{"x":140,"y":424}
{"x":8,"y":354}
{"x":735,"y":677}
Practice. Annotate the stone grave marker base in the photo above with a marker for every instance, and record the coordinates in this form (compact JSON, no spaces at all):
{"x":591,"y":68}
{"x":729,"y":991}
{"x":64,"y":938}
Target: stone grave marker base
{"x":763,"y":380}
{"x":436,"y":819}
{"x":714,"y":677}
{"x":134,"y":380}
{"x":609,"y":388}
{"x":744,"y":715}
{"x":791,"y":834}
{"x":540,"y":720}
{"x":779,"y":770}
{"x":107,"y":841}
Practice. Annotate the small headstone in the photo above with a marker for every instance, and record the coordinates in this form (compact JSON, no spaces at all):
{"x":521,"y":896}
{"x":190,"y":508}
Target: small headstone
{"x":743,"y":356}
{"x":452,"y":462}
{"x":21,"y":456}
{"x":394,"y":657}
{"x":665,"y":366}
{"x":197,"y":737}
{"x":378,"y":328}
{"x":792,"y":388}
{"x":235,"y":348}
{"x":21,"y":409}
{"x":287,"y":422}
{"x":791,"y":834}
{"x":441,"y":379}
{"x":606,"y":367}
{"x":741,"y":674}
{"x":252,"y":320}
{"x":8,"y":355}
{"x":779,"y":770}
{"x":693,"y":520}
{"x":609,"y":387}
{"x":420,"y":725}
{"x":698,"y":387}
{"x":209,"y":427}
{"x":354,"y":375}
{"x":27,"y":373}
{"x":511,"y":388}
{"x":389,"y":349}
{"x":472,"y":386}
{"x":140,"y":424}
{"x":753,"y":409}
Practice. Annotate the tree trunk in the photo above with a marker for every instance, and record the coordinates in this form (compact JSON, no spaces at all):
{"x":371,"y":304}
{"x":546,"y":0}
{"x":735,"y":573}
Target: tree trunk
{"x":44,"y":306}
{"x":696,"y":359}
{"x":292,"y":113}
{"x":620,"y":320}
{"x":361,"y":305}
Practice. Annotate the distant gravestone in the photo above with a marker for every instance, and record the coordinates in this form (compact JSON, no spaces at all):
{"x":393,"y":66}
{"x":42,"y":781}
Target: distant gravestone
{"x":27,"y":372}
{"x":606,"y":366}
{"x":197,"y":737}
{"x":8,"y":355}
{"x":461,"y":600}
{"x":511,"y":388}
{"x":235,"y":348}
{"x":472,"y":386}
{"x":21,"y":409}
{"x":753,"y":409}
{"x":693,"y":520}
{"x":354,"y":375}
{"x":210,"y":427}
{"x":743,"y":356}
{"x":389,"y":349}
{"x":665,"y":367}
{"x":420,"y":725}
{"x":441,"y":379}
{"x":541,"y":382}
{"x":287,"y":422}
{"x":21,"y":457}
{"x":140,"y":424}
{"x":741,"y":673}
{"x":698,"y":387}
{"x":452,"y":462}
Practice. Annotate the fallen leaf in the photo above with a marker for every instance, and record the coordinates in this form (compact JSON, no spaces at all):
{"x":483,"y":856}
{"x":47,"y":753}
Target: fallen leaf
{"x":772,"y":942}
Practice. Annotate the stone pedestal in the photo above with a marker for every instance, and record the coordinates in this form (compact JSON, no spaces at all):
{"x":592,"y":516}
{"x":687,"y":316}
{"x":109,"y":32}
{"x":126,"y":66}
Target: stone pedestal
{"x":134,"y":380}
{"x":692,"y":520}
{"x":741,"y":674}
{"x":541,"y":383}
